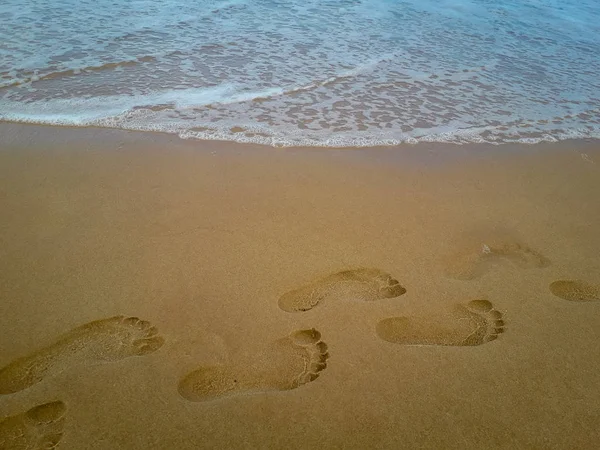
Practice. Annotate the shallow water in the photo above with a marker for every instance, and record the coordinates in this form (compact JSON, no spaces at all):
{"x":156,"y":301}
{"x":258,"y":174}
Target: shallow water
{"x":323,"y":73}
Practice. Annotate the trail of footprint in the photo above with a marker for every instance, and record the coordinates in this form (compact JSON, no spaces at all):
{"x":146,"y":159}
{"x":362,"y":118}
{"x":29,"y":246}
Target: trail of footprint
{"x":99,"y":341}
{"x":36,"y":429}
{"x":575,"y":290}
{"x":474,"y":262}
{"x":363,"y":284}
{"x":286,"y":364}
{"x":475,"y":323}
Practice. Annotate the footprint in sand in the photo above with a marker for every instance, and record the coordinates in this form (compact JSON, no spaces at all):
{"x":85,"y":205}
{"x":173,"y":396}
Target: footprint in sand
{"x":475,"y":323}
{"x":575,"y":290}
{"x":38,"y":428}
{"x":95,"y":342}
{"x":363,"y":284}
{"x":474,"y":261}
{"x":286,"y":364}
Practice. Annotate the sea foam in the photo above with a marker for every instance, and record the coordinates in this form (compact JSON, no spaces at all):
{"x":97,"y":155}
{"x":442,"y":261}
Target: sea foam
{"x":319,"y":73}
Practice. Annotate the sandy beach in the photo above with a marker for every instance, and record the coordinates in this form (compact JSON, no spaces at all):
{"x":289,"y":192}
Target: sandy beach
{"x":415,"y":297}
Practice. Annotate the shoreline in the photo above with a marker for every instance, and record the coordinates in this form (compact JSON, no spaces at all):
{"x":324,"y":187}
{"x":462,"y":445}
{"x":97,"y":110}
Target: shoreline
{"x":203,"y":239}
{"x":10,"y":125}
{"x":18,"y":135}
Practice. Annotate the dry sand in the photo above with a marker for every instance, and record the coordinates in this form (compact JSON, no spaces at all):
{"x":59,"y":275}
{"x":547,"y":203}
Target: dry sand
{"x":257,"y":331}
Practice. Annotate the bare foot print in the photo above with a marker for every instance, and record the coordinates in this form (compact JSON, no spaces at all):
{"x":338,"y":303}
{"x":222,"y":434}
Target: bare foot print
{"x":39,"y":428}
{"x":99,"y":341}
{"x":475,"y":323}
{"x":575,"y":290}
{"x":363,"y":284}
{"x":286,"y":364}
{"x":490,"y":251}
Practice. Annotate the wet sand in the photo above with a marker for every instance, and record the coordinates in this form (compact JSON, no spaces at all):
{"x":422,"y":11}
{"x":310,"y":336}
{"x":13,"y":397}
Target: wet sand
{"x":412,"y":297}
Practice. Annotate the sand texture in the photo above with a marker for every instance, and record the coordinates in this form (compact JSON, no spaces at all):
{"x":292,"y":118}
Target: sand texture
{"x":166,"y":294}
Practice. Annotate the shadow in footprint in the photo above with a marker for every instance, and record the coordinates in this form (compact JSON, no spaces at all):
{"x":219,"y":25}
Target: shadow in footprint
{"x":472,"y":324}
{"x":286,"y":364}
{"x":575,"y":290}
{"x":95,"y":342}
{"x":489,"y":251}
{"x":361,"y":284}
{"x":39,"y":428}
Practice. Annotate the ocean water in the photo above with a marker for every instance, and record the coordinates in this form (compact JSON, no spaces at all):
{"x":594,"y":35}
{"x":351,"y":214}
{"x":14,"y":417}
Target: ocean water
{"x":307,"y":72}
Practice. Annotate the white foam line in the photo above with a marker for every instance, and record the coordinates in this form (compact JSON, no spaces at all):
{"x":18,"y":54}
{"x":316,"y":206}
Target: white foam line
{"x":297,"y":139}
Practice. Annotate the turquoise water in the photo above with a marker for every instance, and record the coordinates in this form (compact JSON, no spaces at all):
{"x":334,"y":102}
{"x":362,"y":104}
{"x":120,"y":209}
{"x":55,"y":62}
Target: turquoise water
{"x":310,"y":72}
